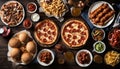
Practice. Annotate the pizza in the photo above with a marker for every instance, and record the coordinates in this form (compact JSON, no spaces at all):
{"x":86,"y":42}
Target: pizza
{"x":12,"y":13}
{"x":74,"y":33}
{"x":46,"y":32}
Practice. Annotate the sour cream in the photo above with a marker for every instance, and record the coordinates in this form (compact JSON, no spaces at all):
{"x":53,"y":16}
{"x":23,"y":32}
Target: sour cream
{"x":35,"y":17}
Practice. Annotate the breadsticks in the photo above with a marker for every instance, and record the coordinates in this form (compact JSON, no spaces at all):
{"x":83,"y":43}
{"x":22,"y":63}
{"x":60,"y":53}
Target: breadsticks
{"x":101,"y":15}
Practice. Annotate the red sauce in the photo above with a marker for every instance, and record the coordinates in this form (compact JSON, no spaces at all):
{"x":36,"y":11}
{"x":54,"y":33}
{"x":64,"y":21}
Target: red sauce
{"x":31,"y":7}
{"x":27,"y":23}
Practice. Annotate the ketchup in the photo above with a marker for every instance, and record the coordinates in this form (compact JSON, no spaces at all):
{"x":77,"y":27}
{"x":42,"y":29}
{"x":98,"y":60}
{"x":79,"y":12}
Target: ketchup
{"x":27,"y":23}
{"x":31,"y":7}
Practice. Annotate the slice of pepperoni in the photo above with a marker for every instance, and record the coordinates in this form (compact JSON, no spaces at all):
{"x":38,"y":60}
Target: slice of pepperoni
{"x":74,"y":37}
{"x":74,"y":30}
{"x":68,"y":40}
{"x":82,"y":38}
{"x":79,"y":41}
{"x":77,"y":30}
{"x":43,"y":25}
{"x":73,"y":43}
{"x":44,"y":40}
{"x":54,"y":33}
{"x":39,"y":34}
{"x":52,"y":28}
{"x":79,"y":26}
{"x":49,"y":32}
{"x":69,"y":36}
{"x":45,"y":30}
{"x":71,"y":31}
{"x":46,"y":35}
{"x":83,"y":33}
{"x":50,"y":37}
{"x":49,"y":24}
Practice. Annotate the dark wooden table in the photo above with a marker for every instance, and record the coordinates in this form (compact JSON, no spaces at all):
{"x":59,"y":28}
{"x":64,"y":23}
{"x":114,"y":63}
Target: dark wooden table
{"x":5,"y":64}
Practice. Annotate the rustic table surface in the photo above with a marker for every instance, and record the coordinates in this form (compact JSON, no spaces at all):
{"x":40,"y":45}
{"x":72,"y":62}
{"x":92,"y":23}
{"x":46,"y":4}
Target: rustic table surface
{"x":5,"y":64}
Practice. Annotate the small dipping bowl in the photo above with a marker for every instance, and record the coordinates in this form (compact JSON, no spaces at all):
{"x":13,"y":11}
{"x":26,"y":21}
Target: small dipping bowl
{"x":98,"y":34}
{"x":35,"y":17}
{"x":31,"y":7}
{"x":27,"y":24}
{"x":99,"y":47}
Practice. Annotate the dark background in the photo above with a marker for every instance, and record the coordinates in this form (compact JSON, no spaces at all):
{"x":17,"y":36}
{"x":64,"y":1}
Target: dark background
{"x":5,"y":64}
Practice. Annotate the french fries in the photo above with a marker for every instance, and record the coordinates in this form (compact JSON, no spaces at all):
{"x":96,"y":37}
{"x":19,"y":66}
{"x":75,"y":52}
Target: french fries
{"x":55,"y":8}
{"x":112,"y":58}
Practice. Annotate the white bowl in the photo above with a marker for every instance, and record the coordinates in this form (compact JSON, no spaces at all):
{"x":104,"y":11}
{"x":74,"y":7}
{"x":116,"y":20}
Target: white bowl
{"x":6,"y":3}
{"x":96,"y":5}
{"x":99,"y":51}
{"x":42,"y":63}
{"x":83,"y":65}
{"x":35,"y":17}
{"x":35,"y":7}
{"x":98,"y":29}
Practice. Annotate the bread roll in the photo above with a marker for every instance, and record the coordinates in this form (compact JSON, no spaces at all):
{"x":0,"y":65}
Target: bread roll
{"x":23,"y":37}
{"x":14,"y":42}
{"x":15,"y":54}
{"x":30,"y":47}
{"x":26,"y":57}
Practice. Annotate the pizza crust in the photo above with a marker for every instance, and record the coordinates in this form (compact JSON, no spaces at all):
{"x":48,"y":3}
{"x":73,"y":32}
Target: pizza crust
{"x":50,"y":33}
{"x":74,"y":33}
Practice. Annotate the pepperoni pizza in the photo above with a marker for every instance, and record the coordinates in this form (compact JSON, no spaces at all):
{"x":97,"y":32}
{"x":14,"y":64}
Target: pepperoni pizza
{"x":46,"y":32}
{"x":74,"y":33}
